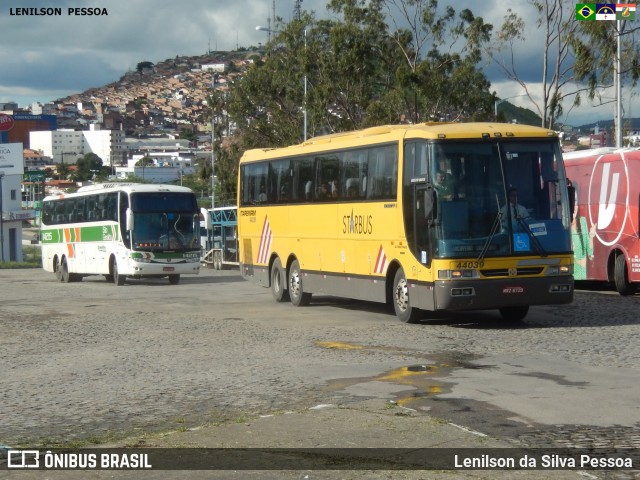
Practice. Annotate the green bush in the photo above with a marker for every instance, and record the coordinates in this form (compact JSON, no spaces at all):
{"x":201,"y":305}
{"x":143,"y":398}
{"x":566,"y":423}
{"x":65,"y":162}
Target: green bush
{"x":32,"y":256}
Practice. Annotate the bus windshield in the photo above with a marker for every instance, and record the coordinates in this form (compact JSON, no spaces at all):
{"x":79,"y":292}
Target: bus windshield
{"x":165,"y":221}
{"x":498,"y":198}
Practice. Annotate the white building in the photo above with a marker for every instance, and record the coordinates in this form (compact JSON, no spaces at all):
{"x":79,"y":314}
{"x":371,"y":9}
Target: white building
{"x":168,"y":167}
{"x":68,"y":145}
{"x":213,"y":67}
{"x":11,"y":213}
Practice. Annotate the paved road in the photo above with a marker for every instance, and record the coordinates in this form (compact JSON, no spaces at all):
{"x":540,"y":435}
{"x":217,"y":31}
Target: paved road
{"x":88,"y":359}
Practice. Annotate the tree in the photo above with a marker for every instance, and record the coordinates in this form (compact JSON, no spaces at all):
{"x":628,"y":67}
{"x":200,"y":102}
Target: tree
{"x":142,"y":66}
{"x":145,"y":161}
{"x":88,"y":166}
{"x":62,"y":171}
{"x":439,"y":83}
{"x":267,"y":103}
{"x":595,"y":46}
{"x":359,"y":74}
{"x":557,"y":19}
{"x":578,"y":56}
{"x":226,"y":158}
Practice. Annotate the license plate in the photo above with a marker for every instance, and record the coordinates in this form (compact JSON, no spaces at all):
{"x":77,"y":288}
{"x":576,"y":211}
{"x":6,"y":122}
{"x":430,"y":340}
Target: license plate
{"x":168,"y":269}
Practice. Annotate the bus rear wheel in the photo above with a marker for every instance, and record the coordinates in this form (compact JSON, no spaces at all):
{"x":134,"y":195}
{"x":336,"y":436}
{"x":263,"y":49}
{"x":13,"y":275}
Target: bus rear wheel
{"x":174,"y":279}
{"x":278,"y":280}
{"x":299,"y":297}
{"x":514,"y":314}
{"x":64,"y":271}
{"x":57,"y":270}
{"x":401,"y":304}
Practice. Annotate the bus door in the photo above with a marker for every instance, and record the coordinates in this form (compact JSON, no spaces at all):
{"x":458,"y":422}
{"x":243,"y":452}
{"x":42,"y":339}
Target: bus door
{"x":423,"y":215}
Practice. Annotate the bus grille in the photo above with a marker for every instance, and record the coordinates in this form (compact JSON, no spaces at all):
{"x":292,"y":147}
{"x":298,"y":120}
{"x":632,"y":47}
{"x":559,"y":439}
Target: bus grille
{"x":504,"y":272}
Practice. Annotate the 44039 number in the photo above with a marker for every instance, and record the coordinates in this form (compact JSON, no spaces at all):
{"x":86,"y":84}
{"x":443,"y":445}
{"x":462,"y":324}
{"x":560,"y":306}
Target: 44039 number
{"x":476,"y":264}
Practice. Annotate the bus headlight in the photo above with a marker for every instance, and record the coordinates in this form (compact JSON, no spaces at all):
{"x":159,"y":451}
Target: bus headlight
{"x":559,"y":270}
{"x":457,"y":274}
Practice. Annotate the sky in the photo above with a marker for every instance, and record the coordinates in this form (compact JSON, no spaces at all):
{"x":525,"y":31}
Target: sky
{"x":46,"y":57}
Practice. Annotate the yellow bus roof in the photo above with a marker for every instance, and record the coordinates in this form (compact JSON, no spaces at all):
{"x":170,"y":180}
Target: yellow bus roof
{"x":387,"y":133}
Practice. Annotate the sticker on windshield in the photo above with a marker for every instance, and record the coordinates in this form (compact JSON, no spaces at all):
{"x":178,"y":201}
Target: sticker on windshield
{"x":521,"y":242}
{"x":538,"y":229}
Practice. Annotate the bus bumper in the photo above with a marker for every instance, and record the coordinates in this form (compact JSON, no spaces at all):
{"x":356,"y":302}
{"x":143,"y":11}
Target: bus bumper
{"x":137,"y":269}
{"x":498,"y":293}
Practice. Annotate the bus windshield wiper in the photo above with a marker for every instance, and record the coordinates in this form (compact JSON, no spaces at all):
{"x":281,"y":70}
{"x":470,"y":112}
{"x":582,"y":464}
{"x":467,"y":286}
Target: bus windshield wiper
{"x":494,"y":228}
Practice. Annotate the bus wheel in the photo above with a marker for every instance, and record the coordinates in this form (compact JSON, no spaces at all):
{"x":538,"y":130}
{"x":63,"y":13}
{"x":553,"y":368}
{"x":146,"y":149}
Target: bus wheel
{"x":174,"y":279}
{"x":514,"y":314}
{"x":64,"y":271}
{"x":57,"y":270}
{"x":299,"y":297}
{"x":621,"y":277}
{"x":401,"y":304}
{"x":278,"y":279}
{"x":117,"y":278}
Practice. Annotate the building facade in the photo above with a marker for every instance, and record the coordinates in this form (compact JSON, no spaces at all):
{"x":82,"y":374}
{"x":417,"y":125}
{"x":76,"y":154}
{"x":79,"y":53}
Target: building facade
{"x":66,"y":146}
{"x":11,"y":213}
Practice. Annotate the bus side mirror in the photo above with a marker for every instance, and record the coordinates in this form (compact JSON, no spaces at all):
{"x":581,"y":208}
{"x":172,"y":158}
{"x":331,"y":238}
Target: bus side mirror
{"x":129,"y":219}
{"x":572,"y":199}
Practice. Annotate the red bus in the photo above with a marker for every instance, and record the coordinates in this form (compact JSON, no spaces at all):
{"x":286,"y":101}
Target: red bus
{"x":605,"y":225}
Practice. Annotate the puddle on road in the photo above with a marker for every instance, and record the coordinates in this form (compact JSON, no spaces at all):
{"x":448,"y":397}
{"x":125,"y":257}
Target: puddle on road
{"x":424,"y":380}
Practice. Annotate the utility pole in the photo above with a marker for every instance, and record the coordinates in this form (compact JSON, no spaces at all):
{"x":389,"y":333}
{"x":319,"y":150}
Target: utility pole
{"x":618,"y":83}
{"x":213,"y":146}
{"x":297,"y":10}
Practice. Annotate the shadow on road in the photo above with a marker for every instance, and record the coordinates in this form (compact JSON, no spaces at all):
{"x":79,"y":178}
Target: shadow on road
{"x":539,"y":317}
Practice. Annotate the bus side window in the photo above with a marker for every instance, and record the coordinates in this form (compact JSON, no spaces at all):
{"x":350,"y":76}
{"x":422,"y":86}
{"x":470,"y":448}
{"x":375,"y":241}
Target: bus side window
{"x":91,"y":210}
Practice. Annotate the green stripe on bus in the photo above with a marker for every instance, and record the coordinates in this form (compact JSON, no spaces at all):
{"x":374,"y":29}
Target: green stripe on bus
{"x":94,"y":233}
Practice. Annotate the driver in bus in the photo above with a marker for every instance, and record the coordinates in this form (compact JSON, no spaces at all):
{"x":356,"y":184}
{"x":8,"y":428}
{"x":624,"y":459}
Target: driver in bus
{"x":443,"y":187}
{"x":518,"y":212}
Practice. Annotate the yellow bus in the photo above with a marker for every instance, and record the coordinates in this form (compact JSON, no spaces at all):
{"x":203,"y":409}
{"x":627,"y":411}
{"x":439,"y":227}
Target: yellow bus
{"x":436,"y":217}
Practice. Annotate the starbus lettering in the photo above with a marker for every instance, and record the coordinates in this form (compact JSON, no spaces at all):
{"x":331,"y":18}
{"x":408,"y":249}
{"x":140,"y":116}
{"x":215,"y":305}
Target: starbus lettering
{"x":359,"y":224}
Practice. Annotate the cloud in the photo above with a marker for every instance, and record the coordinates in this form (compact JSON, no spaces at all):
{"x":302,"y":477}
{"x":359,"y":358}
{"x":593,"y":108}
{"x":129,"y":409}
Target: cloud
{"x":48,"y":57}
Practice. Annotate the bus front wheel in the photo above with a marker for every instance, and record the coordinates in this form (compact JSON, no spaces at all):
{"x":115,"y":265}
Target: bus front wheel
{"x":621,"y":277}
{"x":299,"y":297}
{"x":118,"y":279}
{"x":278,"y":279}
{"x":217,"y":260}
{"x":401,"y":304}
{"x":514,"y":314}
{"x":174,"y":279}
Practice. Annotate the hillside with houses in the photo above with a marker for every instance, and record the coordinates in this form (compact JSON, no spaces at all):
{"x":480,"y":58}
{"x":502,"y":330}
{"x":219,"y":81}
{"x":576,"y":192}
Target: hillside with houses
{"x":169,"y":95}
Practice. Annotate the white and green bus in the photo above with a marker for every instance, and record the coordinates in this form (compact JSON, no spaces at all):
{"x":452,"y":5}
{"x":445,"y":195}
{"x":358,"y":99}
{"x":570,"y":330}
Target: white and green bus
{"x":121,"y":230}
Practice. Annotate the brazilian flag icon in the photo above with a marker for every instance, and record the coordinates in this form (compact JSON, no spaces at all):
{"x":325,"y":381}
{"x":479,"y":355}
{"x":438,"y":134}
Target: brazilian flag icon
{"x":585,"y":11}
